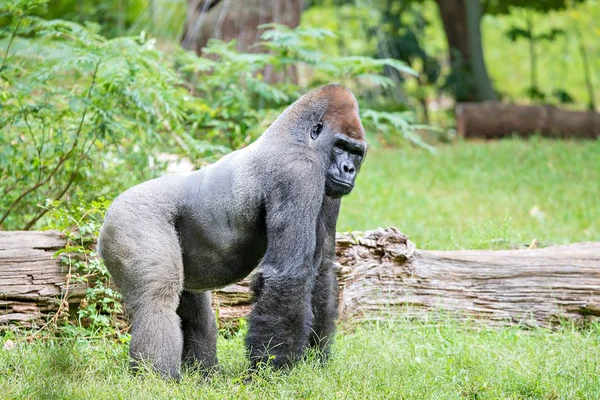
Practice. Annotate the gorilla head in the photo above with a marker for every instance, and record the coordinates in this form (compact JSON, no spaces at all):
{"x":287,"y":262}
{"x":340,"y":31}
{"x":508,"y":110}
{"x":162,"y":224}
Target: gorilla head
{"x":274,"y":204}
{"x":344,"y":140}
{"x":327,"y":121}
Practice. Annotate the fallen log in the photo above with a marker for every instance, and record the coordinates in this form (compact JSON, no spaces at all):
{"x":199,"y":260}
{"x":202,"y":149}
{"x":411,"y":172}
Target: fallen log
{"x":495,"y":120}
{"x":381,"y":276}
{"x":32,"y":283}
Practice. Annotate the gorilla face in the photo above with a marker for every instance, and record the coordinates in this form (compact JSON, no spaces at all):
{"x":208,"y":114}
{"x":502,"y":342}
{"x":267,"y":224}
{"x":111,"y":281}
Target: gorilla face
{"x":345,"y":155}
{"x":346,"y":158}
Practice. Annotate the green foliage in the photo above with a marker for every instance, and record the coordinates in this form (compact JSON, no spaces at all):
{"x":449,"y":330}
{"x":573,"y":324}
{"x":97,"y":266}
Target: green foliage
{"x":231,"y":88}
{"x":113,"y":17}
{"x":388,"y":124}
{"x":82,"y":112}
{"x":563,"y":96}
{"x":100,"y":311}
{"x":78,"y":110}
{"x":562,"y":67}
{"x":569,"y":63}
{"x":238,"y":102}
{"x":402,"y":29}
{"x":516,"y":33}
{"x":507,"y":6}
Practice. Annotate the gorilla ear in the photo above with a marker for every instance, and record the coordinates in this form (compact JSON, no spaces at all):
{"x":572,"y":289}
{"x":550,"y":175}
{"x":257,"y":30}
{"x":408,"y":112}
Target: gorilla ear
{"x":316,"y":130}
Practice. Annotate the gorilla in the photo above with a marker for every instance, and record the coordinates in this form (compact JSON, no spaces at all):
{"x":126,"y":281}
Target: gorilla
{"x":274,"y":204}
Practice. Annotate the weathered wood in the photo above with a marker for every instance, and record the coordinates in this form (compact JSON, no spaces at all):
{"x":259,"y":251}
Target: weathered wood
{"x":494,"y":120}
{"x":32,"y":283}
{"x":381,"y":275}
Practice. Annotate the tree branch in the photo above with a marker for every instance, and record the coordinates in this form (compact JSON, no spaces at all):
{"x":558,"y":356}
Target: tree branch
{"x":61,"y":161}
{"x":10,"y":42}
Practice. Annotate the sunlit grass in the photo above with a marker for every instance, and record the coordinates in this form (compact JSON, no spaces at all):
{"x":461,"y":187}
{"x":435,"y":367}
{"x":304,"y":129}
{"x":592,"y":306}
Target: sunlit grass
{"x":395,"y":360}
{"x":481,"y":194}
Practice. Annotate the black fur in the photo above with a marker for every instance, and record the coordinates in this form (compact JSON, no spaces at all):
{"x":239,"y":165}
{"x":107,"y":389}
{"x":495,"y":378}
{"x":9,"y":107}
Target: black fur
{"x":169,"y":241}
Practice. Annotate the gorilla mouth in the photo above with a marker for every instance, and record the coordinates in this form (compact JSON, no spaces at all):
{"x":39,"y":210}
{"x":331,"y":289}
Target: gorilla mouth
{"x":342,"y":183}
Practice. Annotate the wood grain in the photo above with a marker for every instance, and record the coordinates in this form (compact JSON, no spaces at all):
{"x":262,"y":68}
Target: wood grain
{"x":381,"y":275}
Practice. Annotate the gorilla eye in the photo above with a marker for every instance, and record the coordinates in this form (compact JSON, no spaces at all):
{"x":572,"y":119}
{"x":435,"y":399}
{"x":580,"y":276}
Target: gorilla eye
{"x":316,"y":130}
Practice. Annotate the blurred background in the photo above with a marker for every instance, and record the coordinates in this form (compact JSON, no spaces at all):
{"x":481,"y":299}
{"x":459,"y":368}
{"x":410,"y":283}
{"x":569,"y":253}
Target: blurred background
{"x":543,"y":52}
{"x":480,"y":113}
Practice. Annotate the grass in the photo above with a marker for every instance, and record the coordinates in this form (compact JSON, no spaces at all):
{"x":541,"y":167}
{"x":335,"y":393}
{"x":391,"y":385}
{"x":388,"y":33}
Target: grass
{"x":468,"y":195}
{"x":499,"y":194}
{"x":393,"y":360}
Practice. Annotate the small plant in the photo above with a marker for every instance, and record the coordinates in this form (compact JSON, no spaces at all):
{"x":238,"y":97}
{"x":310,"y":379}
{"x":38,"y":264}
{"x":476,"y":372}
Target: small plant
{"x":100,"y":310}
{"x":527,"y":32}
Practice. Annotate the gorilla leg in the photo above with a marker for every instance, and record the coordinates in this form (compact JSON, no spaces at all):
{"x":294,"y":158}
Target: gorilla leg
{"x":146,"y":265}
{"x":325,"y":310}
{"x":156,"y":333}
{"x":325,"y":292}
{"x":199,"y":329}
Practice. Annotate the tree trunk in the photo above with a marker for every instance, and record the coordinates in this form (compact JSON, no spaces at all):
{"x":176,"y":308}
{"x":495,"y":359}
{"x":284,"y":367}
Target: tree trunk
{"x":231,"y":19}
{"x":462,"y":24}
{"x":481,"y":79}
{"x":381,"y":276}
{"x":493,"y":120}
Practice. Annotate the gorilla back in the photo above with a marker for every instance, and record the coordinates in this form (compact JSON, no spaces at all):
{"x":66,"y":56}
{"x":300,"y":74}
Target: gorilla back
{"x":170,"y":240}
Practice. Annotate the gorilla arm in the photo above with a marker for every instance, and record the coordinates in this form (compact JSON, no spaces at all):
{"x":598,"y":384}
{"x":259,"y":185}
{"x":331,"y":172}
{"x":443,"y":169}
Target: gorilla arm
{"x":280,"y":322}
{"x":325,"y":290}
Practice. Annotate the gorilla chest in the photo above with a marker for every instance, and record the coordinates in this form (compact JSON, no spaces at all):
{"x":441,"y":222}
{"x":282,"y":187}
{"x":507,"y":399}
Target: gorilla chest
{"x":217,"y":253}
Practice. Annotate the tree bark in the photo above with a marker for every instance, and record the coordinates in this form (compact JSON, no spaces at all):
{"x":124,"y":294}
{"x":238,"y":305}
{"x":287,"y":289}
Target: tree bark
{"x":32,"y":283}
{"x":381,"y":276}
{"x":494,"y":120}
{"x":481,"y":79}
{"x":462,"y":24}
{"x":232,"y":19}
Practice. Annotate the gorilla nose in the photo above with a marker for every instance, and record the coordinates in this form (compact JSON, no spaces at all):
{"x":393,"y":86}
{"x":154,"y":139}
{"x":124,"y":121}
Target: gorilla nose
{"x":348,"y":168}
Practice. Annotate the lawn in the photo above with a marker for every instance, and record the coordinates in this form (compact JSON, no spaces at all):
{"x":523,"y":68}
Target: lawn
{"x":469,"y":195}
{"x":500,"y":194}
{"x":394,"y":360}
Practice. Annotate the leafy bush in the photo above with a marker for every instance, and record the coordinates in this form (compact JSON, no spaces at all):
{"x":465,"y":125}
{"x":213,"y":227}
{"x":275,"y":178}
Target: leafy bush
{"x":78,"y":111}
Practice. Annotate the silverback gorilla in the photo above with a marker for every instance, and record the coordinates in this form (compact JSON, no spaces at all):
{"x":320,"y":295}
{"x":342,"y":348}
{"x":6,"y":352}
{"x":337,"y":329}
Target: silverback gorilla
{"x":169,"y":241}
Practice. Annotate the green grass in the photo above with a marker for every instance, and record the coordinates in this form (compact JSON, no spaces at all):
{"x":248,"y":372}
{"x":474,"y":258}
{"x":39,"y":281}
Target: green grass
{"x":499,"y":194}
{"x":468,"y":195}
{"x":389,"y":361}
